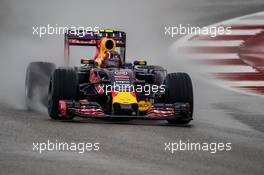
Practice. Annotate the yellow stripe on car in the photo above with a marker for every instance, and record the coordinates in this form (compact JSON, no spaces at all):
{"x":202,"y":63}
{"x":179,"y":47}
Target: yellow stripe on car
{"x":124,"y":98}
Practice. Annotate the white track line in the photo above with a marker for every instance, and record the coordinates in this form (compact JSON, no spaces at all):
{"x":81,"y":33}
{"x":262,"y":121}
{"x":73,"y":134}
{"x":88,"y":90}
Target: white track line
{"x":245,"y":83}
{"x":242,"y":31}
{"x":248,"y":22}
{"x":211,"y":56}
{"x":213,"y":43}
{"x":229,"y":69}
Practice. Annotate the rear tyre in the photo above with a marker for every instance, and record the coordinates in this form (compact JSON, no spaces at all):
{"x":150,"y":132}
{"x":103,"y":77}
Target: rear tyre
{"x":37,"y":83}
{"x":179,"y":89}
{"x":63,"y":86}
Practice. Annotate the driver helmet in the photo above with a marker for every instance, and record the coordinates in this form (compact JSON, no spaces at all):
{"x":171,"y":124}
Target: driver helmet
{"x":111,"y":59}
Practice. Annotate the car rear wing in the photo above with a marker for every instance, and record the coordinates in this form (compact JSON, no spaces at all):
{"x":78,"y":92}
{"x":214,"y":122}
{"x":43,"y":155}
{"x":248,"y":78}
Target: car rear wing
{"x":91,"y":38}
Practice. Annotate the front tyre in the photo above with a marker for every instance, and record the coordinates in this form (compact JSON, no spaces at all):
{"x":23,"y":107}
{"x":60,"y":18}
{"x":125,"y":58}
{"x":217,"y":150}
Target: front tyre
{"x":63,"y":86}
{"x":179,"y":89}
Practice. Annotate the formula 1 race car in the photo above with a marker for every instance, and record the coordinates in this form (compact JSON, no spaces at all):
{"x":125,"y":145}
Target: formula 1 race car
{"x":107,"y":87}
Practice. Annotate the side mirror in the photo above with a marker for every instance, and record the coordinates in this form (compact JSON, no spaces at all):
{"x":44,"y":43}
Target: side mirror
{"x":140,"y":62}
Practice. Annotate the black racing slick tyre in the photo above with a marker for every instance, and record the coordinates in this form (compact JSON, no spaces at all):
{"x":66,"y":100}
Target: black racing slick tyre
{"x":179,"y":89}
{"x":63,"y":86}
{"x":37,"y":83}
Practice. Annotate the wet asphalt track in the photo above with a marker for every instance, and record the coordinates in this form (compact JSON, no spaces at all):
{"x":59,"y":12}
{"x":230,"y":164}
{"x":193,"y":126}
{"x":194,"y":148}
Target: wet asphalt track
{"x":137,"y":147}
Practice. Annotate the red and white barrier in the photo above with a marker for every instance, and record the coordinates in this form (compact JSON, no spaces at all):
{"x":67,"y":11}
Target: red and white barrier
{"x":235,"y":60}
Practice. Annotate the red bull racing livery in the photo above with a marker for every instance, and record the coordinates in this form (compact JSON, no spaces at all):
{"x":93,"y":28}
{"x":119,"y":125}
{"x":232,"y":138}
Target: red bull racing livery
{"x":108,"y":87}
